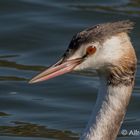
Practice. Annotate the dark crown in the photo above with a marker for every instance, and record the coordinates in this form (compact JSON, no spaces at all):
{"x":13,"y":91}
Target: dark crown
{"x":98,"y":33}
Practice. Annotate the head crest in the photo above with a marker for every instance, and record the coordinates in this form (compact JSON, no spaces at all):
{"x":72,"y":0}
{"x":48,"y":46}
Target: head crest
{"x":99,"y":33}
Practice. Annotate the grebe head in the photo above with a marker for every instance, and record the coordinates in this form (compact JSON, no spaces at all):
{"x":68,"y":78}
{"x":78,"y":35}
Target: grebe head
{"x":107,"y":49}
{"x":104,"y":47}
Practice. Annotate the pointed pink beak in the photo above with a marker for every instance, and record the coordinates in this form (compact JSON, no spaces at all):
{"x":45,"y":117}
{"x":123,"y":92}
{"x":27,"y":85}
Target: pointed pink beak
{"x":57,"y":69}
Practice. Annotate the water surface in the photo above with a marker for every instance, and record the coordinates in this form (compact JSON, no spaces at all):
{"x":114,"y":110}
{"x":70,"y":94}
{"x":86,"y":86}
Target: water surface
{"x":33,"y":35}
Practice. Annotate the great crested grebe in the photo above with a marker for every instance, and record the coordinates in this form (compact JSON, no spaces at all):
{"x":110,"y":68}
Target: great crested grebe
{"x":107,"y":49}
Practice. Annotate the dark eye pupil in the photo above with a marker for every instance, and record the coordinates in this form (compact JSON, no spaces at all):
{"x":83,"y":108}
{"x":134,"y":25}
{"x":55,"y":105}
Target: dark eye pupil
{"x":90,"y":49}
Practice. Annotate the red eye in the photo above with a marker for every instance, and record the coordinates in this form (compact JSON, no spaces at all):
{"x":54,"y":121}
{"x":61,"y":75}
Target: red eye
{"x":91,"y":50}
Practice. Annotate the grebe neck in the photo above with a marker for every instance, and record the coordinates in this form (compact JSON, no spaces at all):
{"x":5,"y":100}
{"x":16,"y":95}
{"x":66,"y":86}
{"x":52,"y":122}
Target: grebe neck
{"x":109,"y":111}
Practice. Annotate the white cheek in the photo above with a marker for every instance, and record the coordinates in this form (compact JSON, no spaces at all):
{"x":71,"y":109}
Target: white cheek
{"x":111,"y":50}
{"x":106,"y":54}
{"x":90,"y":63}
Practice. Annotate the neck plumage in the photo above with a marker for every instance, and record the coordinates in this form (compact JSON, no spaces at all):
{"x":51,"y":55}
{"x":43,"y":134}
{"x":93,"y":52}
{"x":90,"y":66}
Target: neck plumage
{"x":109,"y":111}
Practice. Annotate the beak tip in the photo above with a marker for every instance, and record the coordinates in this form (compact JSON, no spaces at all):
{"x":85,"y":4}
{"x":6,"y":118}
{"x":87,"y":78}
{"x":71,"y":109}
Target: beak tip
{"x":32,"y":81}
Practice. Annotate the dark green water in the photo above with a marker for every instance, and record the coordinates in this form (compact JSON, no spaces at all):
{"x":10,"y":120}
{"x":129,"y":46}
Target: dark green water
{"x":33,"y":35}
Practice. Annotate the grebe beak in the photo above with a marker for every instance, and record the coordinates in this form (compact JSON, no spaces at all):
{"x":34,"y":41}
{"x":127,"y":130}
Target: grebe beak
{"x":61,"y":67}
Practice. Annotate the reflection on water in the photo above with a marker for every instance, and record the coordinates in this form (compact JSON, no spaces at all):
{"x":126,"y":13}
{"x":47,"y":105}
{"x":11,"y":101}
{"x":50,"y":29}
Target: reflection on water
{"x":13,"y":65}
{"x":10,"y":64}
{"x":130,"y":8}
{"x":12,"y":78}
{"x":34,"y":130}
{"x":2,"y":114}
{"x":33,"y":35}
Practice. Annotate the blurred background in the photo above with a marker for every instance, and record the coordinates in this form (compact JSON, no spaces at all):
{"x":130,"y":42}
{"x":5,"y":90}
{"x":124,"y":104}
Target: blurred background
{"x":33,"y":35}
